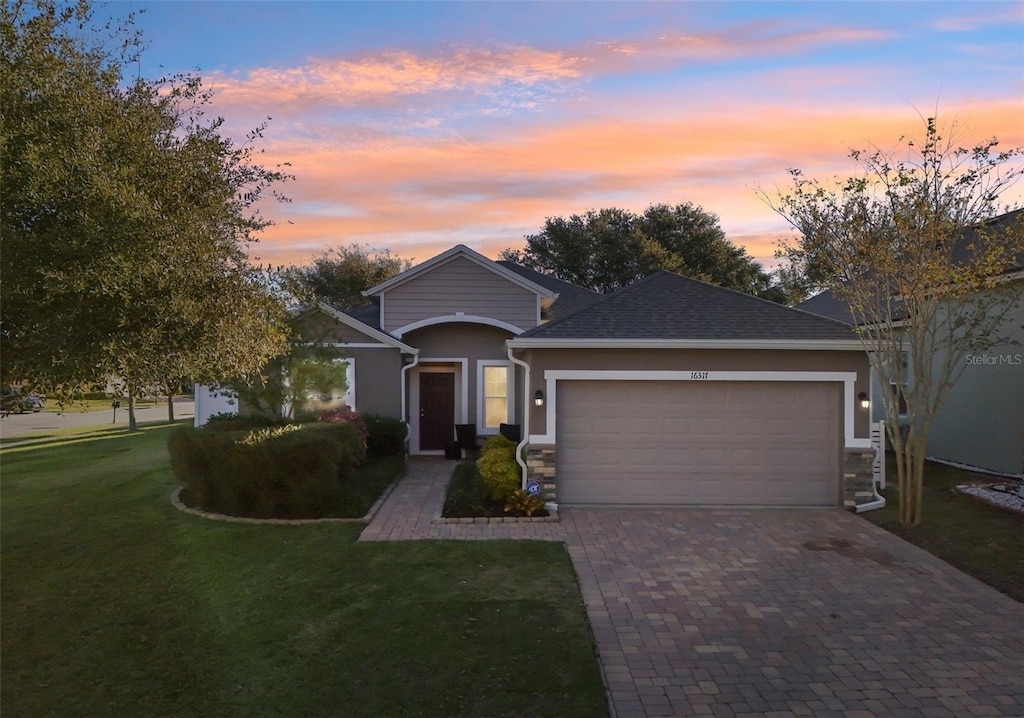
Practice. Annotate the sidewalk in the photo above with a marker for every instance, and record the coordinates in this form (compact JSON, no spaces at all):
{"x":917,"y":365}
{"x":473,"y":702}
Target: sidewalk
{"x":408,"y":512}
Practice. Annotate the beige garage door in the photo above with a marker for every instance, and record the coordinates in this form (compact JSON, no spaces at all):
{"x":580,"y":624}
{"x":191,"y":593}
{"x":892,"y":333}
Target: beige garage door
{"x":693,"y":442}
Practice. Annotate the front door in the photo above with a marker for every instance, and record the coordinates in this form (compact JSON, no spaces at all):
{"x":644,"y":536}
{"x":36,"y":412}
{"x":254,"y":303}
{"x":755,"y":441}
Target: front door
{"x":437,"y":410}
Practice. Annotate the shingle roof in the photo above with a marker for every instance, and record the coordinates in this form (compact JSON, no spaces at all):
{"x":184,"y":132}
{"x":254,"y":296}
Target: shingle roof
{"x":992,"y":229}
{"x":826,"y":304}
{"x":367,"y":313}
{"x":668,"y":306}
{"x":571,"y":297}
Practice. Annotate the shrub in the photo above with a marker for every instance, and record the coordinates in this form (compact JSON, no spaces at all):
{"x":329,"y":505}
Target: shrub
{"x":230,"y":421}
{"x":498,"y":467}
{"x":293,"y":471}
{"x":345,"y":415}
{"x":523,"y":503}
{"x":386,"y":435}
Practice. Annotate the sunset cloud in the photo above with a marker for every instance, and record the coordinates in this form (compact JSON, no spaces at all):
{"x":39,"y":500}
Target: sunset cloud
{"x":504,"y":186}
{"x":417,"y":135}
{"x":389,"y":77}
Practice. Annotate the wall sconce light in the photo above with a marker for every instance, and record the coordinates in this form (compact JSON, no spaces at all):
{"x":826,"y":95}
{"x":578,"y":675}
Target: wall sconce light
{"x":538,"y":398}
{"x":864,"y":401}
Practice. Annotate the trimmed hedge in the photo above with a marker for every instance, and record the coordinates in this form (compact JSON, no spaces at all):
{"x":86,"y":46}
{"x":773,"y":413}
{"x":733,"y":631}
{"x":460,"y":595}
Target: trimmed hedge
{"x":230,"y":421}
{"x":291,"y":471}
{"x":386,"y":435}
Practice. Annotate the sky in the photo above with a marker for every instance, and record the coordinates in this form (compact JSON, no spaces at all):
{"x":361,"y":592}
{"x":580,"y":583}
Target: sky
{"x":416,"y":126}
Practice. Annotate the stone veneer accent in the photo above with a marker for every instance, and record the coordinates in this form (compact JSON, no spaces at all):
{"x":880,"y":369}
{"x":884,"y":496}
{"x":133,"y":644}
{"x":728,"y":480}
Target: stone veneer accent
{"x":858,"y":477}
{"x":540,"y":467}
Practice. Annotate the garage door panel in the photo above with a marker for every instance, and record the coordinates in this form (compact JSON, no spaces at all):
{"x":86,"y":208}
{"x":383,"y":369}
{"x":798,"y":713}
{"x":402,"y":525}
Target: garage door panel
{"x":747,"y":443}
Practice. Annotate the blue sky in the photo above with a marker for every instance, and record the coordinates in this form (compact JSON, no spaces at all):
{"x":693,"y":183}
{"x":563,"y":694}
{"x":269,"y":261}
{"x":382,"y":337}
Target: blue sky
{"x":416,"y":126}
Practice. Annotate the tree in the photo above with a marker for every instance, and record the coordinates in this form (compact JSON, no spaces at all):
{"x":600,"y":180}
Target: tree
{"x":906,"y":246}
{"x":611,"y":248}
{"x":339,"y":275}
{"x":125,"y":217}
{"x":309,"y":367}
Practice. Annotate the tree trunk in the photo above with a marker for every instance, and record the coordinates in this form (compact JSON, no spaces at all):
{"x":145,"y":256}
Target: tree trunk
{"x":911,"y":464}
{"x":170,"y":407}
{"x":132,"y":425}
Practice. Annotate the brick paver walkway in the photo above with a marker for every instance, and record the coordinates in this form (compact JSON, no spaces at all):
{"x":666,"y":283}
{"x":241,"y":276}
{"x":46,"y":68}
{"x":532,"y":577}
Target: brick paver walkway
{"x":764,"y":612}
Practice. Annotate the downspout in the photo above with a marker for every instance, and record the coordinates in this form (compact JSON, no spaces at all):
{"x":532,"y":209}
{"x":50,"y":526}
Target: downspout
{"x":526,"y":414}
{"x":405,"y":412}
{"x":877,"y":503}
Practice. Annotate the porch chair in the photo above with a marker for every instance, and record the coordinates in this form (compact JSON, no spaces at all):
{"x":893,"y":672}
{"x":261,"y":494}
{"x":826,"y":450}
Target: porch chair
{"x":465,"y":434}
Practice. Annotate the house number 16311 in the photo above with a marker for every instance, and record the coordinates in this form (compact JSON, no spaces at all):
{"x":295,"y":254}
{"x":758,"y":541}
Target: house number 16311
{"x":698,"y":375}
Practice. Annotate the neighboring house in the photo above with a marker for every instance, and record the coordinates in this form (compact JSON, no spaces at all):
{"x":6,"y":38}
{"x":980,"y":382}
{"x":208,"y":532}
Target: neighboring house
{"x":981,"y":423}
{"x":670,"y":391}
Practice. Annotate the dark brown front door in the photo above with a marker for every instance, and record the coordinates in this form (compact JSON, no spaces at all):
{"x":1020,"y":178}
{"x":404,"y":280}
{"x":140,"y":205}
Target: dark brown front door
{"x":437,"y":410}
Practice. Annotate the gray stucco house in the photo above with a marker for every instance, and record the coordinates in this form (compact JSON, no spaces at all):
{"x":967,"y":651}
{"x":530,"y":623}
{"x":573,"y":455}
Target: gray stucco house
{"x":670,"y":391}
{"x":981,"y":423}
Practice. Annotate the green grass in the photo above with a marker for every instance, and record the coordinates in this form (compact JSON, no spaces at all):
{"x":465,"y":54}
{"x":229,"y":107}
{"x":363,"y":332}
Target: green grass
{"x":72,"y":432}
{"x":981,"y":540}
{"x":369,"y":482}
{"x":115,"y":604}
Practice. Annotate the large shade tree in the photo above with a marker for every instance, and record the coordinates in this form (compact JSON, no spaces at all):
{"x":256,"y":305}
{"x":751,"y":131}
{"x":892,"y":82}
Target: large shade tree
{"x":906,"y":244}
{"x":610,"y":248}
{"x":339,"y":275}
{"x":125,"y":218}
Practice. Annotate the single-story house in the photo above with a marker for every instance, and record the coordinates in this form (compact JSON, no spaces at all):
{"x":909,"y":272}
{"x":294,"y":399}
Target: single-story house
{"x":671,"y":391}
{"x":981,"y":423}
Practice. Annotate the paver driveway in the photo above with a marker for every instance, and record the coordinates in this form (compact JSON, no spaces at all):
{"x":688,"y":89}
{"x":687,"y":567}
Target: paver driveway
{"x":765,"y":612}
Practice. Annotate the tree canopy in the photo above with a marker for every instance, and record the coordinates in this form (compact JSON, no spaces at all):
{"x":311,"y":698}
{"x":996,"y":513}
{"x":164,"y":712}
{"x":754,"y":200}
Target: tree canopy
{"x":339,"y":275}
{"x":905,"y":244}
{"x":125,"y":218}
{"x":610,"y":248}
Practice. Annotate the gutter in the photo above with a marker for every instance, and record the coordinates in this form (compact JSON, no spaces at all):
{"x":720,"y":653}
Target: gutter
{"x":794,"y":344}
{"x":526,"y":414}
{"x":877,"y":503}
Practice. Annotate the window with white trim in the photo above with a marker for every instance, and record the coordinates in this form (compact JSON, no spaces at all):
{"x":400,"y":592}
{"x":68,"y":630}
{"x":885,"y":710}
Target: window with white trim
{"x":494,"y":406}
{"x":325,"y":398}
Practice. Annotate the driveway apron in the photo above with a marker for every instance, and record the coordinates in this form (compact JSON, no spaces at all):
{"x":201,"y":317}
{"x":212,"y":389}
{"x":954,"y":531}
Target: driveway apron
{"x":763,"y":612}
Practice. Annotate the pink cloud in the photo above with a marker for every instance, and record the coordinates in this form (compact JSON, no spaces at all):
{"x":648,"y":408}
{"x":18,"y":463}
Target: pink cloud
{"x":388,"y":77}
{"x":422,"y":195}
{"x":517,"y":76}
{"x":1005,"y":13}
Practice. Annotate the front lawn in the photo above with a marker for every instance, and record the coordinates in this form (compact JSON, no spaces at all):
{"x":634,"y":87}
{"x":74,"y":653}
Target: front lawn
{"x":116,"y":604}
{"x":981,"y":540}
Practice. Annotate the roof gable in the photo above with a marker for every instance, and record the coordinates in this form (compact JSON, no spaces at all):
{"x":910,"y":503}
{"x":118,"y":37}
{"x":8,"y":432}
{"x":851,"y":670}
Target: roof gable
{"x":455,"y":252}
{"x":571,"y":297}
{"x":669,"y":306}
{"x":363,"y":327}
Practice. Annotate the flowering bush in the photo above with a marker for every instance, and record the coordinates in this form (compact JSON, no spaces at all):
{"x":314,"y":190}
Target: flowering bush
{"x":346,"y":415}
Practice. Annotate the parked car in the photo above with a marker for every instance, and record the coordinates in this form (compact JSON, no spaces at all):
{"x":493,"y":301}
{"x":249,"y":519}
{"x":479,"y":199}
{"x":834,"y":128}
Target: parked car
{"x":15,"y":403}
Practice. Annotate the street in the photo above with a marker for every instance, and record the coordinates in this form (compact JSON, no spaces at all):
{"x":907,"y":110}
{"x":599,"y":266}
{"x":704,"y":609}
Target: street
{"x":16,"y":425}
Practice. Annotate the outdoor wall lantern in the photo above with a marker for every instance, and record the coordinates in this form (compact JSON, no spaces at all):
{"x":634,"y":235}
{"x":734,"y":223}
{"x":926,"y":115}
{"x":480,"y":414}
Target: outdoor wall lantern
{"x":864,"y":401}
{"x":538,"y":398}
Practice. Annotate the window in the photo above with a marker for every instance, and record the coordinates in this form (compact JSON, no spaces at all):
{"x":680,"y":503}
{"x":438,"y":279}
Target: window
{"x":495,"y":383}
{"x":327,"y":386}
